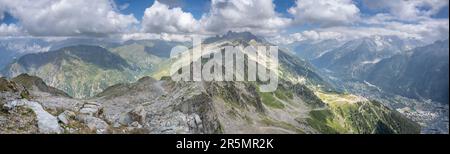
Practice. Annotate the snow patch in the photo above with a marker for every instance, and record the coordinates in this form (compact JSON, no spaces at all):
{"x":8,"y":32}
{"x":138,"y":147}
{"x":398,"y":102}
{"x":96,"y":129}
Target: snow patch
{"x":372,"y":61}
{"x":371,"y":85}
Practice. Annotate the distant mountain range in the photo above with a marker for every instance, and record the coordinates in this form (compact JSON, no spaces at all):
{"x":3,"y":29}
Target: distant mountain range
{"x":14,"y":48}
{"x":405,"y":67}
{"x":80,"y":70}
{"x":84,"y":70}
{"x":421,"y":73}
{"x":355,"y":56}
{"x":112,"y":97}
{"x":403,"y":73}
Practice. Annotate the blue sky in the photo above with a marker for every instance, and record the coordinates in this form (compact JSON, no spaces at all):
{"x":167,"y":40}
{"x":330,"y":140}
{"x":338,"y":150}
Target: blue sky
{"x":290,"y":20}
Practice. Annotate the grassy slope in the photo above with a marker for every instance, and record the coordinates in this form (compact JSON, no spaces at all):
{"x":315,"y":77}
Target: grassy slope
{"x":352,"y":114}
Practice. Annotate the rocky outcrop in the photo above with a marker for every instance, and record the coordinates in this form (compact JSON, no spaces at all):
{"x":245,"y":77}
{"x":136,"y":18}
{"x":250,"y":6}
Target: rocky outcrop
{"x":47,"y":123}
{"x":244,"y":94}
{"x":91,"y":109}
{"x":94,"y":123}
{"x":66,"y":116}
{"x":169,"y":107}
{"x":34,"y":83}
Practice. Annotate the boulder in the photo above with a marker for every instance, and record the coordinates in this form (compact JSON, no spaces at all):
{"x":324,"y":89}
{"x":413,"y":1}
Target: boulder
{"x":47,"y":123}
{"x":138,"y":114}
{"x":65,"y":116}
{"x":94,"y":123}
{"x":91,"y":109}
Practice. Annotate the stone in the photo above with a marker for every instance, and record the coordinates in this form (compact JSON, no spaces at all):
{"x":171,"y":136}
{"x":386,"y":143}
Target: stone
{"x":65,"y":116}
{"x":62,"y":118}
{"x":88,"y":111}
{"x":125,"y":119}
{"x":136,"y":124}
{"x":138,"y":114}
{"x":94,"y":123}
{"x":198,"y":121}
{"x":47,"y":123}
{"x":13,"y":104}
{"x":91,"y":109}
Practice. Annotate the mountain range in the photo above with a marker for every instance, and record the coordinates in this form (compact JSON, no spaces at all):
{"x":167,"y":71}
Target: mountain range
{"x":420,"y":73}
{"x":405,"y":74}
{"x":113,"y":94}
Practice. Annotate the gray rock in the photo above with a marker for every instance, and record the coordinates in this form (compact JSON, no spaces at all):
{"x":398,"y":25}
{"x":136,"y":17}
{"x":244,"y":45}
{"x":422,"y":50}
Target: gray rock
{"x":138,"y":114}
{"x":94,"y":123}
{"x":136,"y":125}
{"x":47,"y":123}
{"x":125,"y":119}
{"x":91,"y":109}
{"x":65,"y":116}
{"x":62,"y":118}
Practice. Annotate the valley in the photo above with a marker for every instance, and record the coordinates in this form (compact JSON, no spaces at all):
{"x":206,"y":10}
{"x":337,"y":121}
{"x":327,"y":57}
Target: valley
{"x":413,"y":81}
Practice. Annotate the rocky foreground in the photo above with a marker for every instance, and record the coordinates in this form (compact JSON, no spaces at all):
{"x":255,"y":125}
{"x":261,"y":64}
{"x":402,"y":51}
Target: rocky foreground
{"x":163,"y":106}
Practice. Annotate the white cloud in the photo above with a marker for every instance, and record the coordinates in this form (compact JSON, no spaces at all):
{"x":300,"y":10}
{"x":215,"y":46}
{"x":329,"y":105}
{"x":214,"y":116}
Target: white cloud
{"x":124,"y":6}
{"x":287,"y":38}
{"x":408,"y":19}
{"x":139,"y":36}
{"x":159,"y":36}
{"x":10,"y":30}
{"x":426,"y":30}
{"x":166,"y":20}
{"x":325,"y":12}
{"x":349,"y":33}
{"x":257,"y":16}
{"x":68,"y":17}
{"x":159,"y":18}
{"x":408,"y":10}
{"x":309,"y":35}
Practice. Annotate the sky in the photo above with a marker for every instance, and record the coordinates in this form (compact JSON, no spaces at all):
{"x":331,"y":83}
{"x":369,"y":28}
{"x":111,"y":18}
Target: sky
{"x":281,"y":21}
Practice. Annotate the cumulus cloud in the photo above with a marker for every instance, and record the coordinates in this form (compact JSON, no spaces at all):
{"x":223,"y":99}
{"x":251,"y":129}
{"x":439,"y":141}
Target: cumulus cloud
{"x":309,"y":35}
{"x":408,"y":19}
{"x":165,"y":19}
{"x":10,"y":30}
{"x":159,"y":18}
{"x":426,"y":30}
{"x":68,"y":17}
{"x":123,"y":6}
{"x":325,"y":12}
{"x":257,"y":16}
{"x":408,"y":10}
{"x":159,"y":36}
